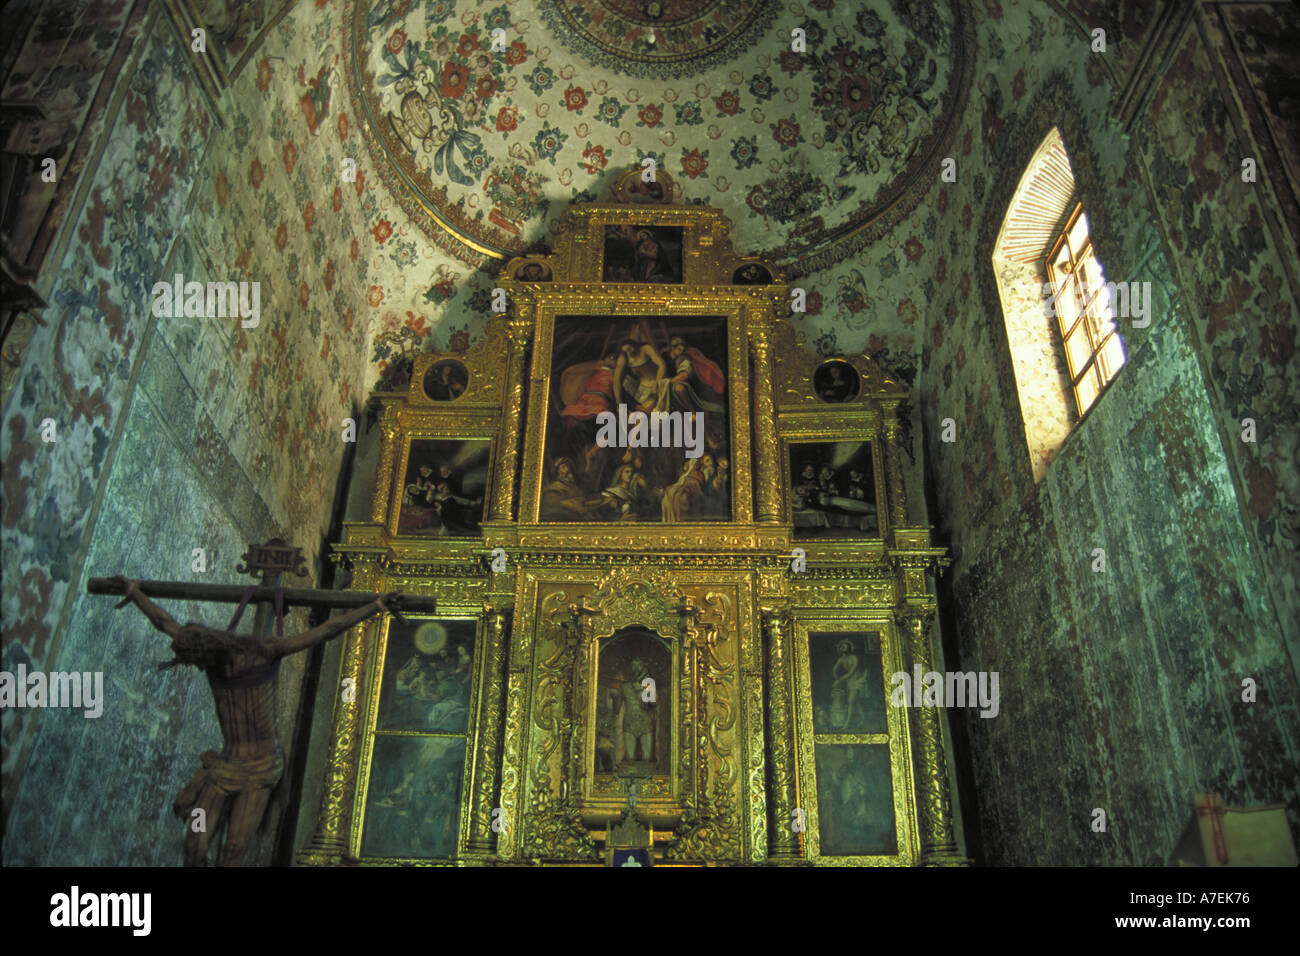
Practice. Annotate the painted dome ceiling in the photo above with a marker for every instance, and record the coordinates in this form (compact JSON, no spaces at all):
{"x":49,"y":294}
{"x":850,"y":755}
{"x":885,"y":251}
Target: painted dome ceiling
{"x":483,"y":137}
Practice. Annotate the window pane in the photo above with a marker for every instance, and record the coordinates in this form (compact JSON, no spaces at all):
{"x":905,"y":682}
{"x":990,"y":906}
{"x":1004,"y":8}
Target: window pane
{"x":1067,"y":303}
{"x":1087,"y":390}
{"x":1077,"y":348}
{"x":1111,"y":358}
{"x":1079,"y":234}
{"x":1062,"y":261}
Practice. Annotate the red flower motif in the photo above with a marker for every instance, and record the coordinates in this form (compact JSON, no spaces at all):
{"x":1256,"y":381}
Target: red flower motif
{"x":329,"y":278}
{"x":485,"y":87}
{"x":467,"y":45}
{"x":786,"y":132}
{"x":994,"y":8}
{"x":791,"y":62}
{"x":356,"y":248}
{"x":693,"y":164}
{"x":344,"y":391}
{"x":517,"y":53}
{"x":942,"y":203}
{"x":309,"y":215}
{"x":650,"y":115}
{"x":290,"y":156}
{"x":908,"y":312}
{"x":360,"y":181}
{"x":255,"y":173}
{"x":376,"y":296}
{"x":348,"y":317}
{"x":454,"y":78}
{"x":382,"y":231}
{"x":1277,"y":343}
{"x":282,"y":237}
{"x":338,"y":198}
{"x":460,"y":341}
{"x":961,"y":357}
{"x":343,"y":126}
{"x":823,"y":5}
{"x":913,"y":249}
{"x":728,"y":103}
{"x":264,"y":74}
{"x":325,"y":349}
{"x":813,"y":303}
{"x":416,"y":324}
{"x":304,"y":295}
{"x":575,"y":98}
{"x":594,"y":159}
{"x":855,"y":94}
{"x":941,"y":269}
{"x":397,"y":41}
{"x":507,"y":119}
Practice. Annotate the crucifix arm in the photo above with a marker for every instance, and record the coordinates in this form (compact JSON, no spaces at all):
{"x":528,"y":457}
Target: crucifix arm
{"x":331,"y":628}
{"x":157,"y":616}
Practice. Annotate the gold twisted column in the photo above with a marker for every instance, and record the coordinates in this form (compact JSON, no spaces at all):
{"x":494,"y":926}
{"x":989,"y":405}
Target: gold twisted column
{"x":330,"y":842}
{"x":934,"y":805}
{"x":503,"y":500}
{"x":783,"y":841}
{"x":483,"y":788}
{"x":767,"y":450}
{"x":387,"y":463}
{"x":894,"y":477}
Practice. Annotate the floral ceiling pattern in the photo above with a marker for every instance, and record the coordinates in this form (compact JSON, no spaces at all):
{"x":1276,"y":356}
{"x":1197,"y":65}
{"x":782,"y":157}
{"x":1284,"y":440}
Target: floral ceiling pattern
{"x":485,"y":119}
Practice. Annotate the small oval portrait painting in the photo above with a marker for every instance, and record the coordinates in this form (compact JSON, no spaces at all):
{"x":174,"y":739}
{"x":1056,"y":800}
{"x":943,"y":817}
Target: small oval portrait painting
{"x":751,"y":273}
{"x":836,"y":381}
{"x":446,"y":381}
{"x":533,"y":272}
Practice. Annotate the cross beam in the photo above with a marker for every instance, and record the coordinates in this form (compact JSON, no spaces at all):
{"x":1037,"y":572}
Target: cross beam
{"x":234,"y":593}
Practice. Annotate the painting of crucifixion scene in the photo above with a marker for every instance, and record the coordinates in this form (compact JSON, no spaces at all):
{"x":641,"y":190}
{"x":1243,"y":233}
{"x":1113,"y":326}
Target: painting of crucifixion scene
{"x":847,"y":683}
{"x":633,"y":704}
{"x":638,"y":422}
{"x":833,"y":490}
{"x":444,"y":487}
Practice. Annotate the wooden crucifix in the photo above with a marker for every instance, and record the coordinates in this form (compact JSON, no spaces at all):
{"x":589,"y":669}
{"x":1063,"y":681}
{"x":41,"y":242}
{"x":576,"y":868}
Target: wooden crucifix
{"x":235,"y":785}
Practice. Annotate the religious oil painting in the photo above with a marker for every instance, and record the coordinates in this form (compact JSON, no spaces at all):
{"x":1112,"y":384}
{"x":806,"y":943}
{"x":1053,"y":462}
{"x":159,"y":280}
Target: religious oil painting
{"x":638,"y":426}
{"x":427,"y":673}
{"x":836,"y":381}
{"x":446,"y":381}
{"x":847,"y":686}
{"x":833,"y":490}
{"x":635,"y":253}
{"x":444,"y":484}
{"x":413,"y":801}
{"x":855,"y":800}
{"x":633,"y":704}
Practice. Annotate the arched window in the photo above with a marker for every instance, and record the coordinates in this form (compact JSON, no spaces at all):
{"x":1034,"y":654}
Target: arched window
{"x":1065,"y":348}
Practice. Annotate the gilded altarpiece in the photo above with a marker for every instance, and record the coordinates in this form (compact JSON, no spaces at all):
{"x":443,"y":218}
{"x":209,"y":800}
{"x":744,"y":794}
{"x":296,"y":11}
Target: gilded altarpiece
{"x":684,"y":640}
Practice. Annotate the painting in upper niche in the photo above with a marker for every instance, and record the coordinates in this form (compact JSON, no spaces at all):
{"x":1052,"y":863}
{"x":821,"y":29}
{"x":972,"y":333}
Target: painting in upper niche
{"x":638,"y":427}
{"x":643,"y":253}
{"x":836,"y":381}
{"x":855,"y":800}
{"x":446,"y":381}
{"x":847,"y":683}
{"x":833,"y":490}
{"x":444,"y":486}
{"x":633,"y":704}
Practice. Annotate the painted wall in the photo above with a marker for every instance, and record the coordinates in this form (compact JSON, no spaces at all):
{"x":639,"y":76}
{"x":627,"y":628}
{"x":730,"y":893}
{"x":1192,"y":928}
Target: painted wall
{"x":1120,"y":690}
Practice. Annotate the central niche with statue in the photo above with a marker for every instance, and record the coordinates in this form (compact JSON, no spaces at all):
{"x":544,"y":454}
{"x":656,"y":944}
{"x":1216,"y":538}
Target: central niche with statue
{"x":673,"y":570}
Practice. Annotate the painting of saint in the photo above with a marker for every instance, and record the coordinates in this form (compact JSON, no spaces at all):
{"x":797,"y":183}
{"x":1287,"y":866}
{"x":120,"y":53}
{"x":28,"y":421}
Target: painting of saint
{"x":836,"y":381}
{"x":444,"y":486}
{"x":428,"y":668}
{"x":855,"y":800}
{"x":446,"y":381}
{"x":413,"y":800}
{"x":633,"y":702}
{"x":847,"y":683}
{"x":643,"y":253}
{"x":833,"y":490}
{"x":638,"y":426}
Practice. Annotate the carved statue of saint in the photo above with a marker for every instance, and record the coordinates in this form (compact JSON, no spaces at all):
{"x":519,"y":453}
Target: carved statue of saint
{"x":638,"y":716}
